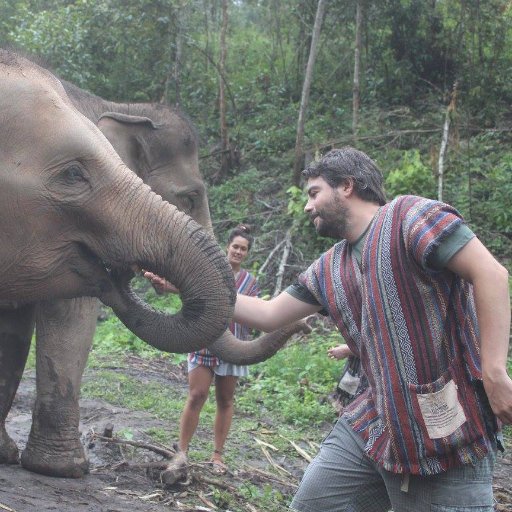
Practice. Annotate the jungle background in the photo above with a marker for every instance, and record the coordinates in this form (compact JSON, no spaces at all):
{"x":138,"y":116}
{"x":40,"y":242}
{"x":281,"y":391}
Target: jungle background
{"x":422,"y":86}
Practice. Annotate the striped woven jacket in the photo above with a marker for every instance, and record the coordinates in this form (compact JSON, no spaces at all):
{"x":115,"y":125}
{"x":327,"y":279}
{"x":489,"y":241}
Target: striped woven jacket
{"x":416,"y":333}
{"x":246,"y":284}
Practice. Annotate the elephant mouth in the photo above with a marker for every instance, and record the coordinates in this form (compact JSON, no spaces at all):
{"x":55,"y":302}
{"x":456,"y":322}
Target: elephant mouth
{"x":99,"y":272}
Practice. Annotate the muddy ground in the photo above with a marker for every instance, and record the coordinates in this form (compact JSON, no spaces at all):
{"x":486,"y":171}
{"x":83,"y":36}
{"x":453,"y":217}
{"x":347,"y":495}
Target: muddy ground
{"x":112,"y":487}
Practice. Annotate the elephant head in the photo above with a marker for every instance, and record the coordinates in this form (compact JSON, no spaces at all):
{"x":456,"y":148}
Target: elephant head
{"x":164,"y":155}
{"x":74,"y":219}
{"x":157,"y":142}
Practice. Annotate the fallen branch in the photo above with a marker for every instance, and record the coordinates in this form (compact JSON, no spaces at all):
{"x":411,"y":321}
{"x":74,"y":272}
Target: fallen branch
{"x":213,"y":481}
{"x":270,"y":476}
{"x":300,"y":451}
{"x":268,"y":445}
{"x":164,"y":452}
{"x":208,"y":503}
{"x":314,"y":446}
{"x":272,"y":462}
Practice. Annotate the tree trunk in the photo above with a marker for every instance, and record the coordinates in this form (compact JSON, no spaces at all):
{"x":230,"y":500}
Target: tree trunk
{"x":224,"y":136}
{"x":282,"y":264}
{"x":299,"y":156}
{"x":357,"y":65}
{"x":208,"y":17}
{"x":444,"y":142}
{"x":174,"y":74}
{"x":179,"y":52}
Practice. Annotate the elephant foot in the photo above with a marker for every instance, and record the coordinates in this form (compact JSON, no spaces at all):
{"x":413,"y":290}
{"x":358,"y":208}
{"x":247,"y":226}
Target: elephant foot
{"x":52,"y":459}
{"x":9,"y":453}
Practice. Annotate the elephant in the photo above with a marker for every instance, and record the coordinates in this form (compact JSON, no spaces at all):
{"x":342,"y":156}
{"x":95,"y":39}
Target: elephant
{"x":74,"y":222}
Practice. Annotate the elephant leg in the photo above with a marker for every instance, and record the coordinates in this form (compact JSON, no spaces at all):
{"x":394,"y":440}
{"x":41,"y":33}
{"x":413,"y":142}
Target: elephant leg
{"x":65,"y":330}
{"x":16,"y":327}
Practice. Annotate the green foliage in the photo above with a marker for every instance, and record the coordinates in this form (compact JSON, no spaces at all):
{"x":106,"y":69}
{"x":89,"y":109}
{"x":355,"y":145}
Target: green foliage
{"x":296,"y":200}
{"x":93,"y":43}
{"x":231,"y":200}
{"x":266,"y":497}
{"x":412,"y":177}
{"x":293,"y":384}
{"x":491,"y":188}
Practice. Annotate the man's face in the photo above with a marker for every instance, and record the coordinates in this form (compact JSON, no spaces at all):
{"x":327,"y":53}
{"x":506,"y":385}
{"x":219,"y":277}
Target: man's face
{"x":326,"y":208}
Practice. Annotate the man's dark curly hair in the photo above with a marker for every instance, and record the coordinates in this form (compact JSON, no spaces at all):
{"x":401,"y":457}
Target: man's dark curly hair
{"x":349,"y":164}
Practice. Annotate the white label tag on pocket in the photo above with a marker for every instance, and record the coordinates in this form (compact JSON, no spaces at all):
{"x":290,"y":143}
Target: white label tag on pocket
{"x":349,"y":383}
{"x":442,"y":411}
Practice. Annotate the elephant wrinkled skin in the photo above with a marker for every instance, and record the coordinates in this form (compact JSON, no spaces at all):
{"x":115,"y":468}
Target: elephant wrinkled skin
{"x":73,"y":221}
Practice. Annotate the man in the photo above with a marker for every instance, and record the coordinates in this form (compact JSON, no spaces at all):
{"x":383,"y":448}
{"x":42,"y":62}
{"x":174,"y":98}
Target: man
{"x":426,"y":308}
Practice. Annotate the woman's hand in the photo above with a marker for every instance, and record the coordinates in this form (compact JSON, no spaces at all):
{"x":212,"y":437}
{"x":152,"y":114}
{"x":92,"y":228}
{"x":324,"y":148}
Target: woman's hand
{"x":339,"y":352}
{"x":160,"y":284}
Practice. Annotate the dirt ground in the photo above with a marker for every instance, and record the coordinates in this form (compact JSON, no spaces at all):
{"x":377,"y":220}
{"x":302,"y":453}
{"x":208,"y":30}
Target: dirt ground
{"x":110,"y":487}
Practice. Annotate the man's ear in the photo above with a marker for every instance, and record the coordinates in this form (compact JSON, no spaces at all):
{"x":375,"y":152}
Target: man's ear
{"x":347,"y":186}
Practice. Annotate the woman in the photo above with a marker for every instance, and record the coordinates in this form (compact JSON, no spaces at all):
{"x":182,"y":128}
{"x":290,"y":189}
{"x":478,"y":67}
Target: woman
{"x":203,"y":366}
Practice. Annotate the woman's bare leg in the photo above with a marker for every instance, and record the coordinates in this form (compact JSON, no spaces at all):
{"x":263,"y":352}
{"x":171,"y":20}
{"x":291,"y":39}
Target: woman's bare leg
{"x":224,"y":393}
{"x":199,"y":381}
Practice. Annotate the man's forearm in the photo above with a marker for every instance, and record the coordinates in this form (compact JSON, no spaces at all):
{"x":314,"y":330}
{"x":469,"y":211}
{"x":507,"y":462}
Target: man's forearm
{"x":492,"y":299}
{"x":493,"y":309}
{"x":251,"y":311}
{"x":273,"y":314}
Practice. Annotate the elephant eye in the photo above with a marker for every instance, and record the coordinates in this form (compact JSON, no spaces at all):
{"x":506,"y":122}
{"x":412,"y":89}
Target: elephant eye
{"x":73,"y":173}
{"x":187,"y":202}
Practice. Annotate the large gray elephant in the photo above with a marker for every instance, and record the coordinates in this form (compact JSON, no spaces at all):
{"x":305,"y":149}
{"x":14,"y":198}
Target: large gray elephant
{"x":160,"y":145}
{"x":73,"y":221}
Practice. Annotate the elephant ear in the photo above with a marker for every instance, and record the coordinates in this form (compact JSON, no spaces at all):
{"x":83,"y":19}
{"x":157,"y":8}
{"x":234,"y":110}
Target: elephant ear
{"x":128,"y":119}
{"x":126,"y":134}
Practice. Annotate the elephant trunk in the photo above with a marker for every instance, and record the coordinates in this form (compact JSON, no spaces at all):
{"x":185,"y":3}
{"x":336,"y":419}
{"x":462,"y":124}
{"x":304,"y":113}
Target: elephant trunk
{"x":174,"y":246}
{"x":232,"y":350}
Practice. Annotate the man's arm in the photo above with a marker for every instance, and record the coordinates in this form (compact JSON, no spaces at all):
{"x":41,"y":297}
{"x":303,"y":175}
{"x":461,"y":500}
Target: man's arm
{"x":475,"y":264}
{"x":269,"y":315}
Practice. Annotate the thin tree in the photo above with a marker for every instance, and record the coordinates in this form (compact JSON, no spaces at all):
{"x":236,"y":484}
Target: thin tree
{"x":174,"y":74}
{"x":180,"y":20}
{"x":357,"y":67}
{"x":224,"y":136}
{"x":444,"y":141}
{"x":299,"y":141}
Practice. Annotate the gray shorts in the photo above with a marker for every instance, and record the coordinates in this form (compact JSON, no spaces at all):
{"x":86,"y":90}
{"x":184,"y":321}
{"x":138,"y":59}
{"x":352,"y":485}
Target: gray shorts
{"x":224,"y":369}
{"x":343,"y":478}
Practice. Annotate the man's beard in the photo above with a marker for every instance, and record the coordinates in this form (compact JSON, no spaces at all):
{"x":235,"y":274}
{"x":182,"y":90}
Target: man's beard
{"x":332,"y":220}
